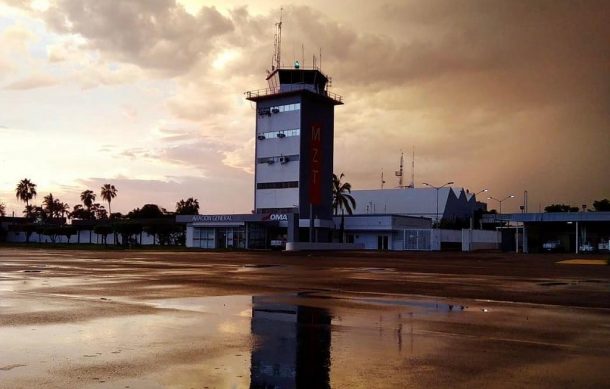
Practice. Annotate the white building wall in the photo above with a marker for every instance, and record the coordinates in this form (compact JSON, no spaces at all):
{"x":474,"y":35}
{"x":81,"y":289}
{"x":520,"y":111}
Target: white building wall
{"x":278,"y":146}
{"x":277,"y":198}
{"x":273,"y":147}
{"x":413,"y":202}
{"x":188,"y":241}
{"x":278,"y":172}
{"x":367,"y":239}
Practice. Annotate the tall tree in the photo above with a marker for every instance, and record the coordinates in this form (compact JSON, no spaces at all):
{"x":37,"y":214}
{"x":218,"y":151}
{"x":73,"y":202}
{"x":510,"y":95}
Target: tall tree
{"x":108,"y":193}
{"x":98,"y":211}
{"x":560,"y":208}
{"x":342,"y":199}
{"x":78,"y":212}
{"x":26,"y":191}
{"x":189,"y":206}
{"x":602,"y":205}
{"x":2,"y":209}
{"x":49,"y":204}
{"x":88,"y":198}
{"x":148,"y":211}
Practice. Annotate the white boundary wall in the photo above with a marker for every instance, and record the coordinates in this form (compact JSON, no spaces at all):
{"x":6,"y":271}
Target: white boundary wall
{"x":480,"y":240}
{"x":83,"y":237}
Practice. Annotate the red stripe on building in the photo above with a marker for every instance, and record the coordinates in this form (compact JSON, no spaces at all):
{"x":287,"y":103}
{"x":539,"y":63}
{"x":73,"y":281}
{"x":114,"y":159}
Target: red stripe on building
{"x":315,"y":188}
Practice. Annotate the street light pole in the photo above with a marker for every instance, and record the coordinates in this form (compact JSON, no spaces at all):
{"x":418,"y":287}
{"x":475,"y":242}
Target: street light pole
{"x":475,"y":204}
{"x":437,"y":189}
{"x":500,"y":201}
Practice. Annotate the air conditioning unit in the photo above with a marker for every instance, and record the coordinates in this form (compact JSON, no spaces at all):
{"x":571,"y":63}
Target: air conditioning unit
{"x":261,"y":137}
{"x":264,"y":111}
{"x":284,"y":159}
{"x":275,"y":110}
{"x":281,"y":135}
{"x":270,"y":161}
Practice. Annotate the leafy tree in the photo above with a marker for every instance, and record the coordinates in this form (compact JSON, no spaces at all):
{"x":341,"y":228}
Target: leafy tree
{"x":189,"y":206}
{"x":28,"y":230}
{"x":148,"y":211}
{"x":167,"y":233}
{"x":108,"y":193}
{"x":342,"y":199}
{"x":68,"y":231}
{"x":98,"y":211}
{"x":88,"y":198}
{"x":2,"y":209}
{"x":127,"y":230}
{"x":52,"y":232}
{"x":560,"y":208}
{"x":104,"y":230}
{"x":29,"y":209}
{"x":602,"y":205}
{"x":80,"y":213}
{"x":64,"y":209}
{"x":53,"y":208}
{"x":38,"y":214}
{"x":26,"y":191}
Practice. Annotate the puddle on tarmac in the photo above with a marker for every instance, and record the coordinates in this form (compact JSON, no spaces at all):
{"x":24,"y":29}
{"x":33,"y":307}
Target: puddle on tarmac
{"x":252,"y":267}
{"x":288,"y":340}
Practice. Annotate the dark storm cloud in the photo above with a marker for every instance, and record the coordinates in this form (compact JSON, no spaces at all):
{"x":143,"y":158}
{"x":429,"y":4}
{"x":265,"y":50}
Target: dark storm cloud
{"x":156,"y":34}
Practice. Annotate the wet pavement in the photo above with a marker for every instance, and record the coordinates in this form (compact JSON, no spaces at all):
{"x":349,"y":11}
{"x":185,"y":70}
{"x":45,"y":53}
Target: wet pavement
{"x":118,"y":320}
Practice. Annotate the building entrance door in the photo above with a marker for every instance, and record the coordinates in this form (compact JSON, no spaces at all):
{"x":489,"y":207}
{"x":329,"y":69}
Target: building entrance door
{"x":382,"y":242}
{"x":221,"y":238}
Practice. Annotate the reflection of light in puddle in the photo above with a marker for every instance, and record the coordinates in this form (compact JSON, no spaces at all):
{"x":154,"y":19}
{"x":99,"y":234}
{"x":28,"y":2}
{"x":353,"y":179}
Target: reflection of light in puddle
{"x":232,"y":305}
{"x":196,"y":341}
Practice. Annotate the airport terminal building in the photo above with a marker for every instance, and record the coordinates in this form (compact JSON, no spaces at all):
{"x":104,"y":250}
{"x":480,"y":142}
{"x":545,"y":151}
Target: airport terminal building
{"x":294,"y":141}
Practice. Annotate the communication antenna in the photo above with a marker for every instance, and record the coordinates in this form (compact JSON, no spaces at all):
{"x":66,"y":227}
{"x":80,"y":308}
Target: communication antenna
{"x":382,"y":180}
{"x":399,"y":172}
{"x":320,"y":59}
{"x":277,"y":43}
{"x":413,"y":170}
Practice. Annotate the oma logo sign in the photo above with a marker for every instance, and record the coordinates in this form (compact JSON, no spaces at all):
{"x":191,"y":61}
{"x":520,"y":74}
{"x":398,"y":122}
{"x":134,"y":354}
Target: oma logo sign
{"x":278,"y":217}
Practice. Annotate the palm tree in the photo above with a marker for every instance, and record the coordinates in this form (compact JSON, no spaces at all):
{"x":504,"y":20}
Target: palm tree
{"x":342,"y":199}
{"x":87,"y":197}
{"x":26,"y":191}
{"x":50,"y":206}
{"x":108,"y":193}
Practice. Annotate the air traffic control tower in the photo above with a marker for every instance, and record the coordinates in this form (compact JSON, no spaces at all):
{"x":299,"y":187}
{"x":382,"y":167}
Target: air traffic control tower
{"x":294,"y":148}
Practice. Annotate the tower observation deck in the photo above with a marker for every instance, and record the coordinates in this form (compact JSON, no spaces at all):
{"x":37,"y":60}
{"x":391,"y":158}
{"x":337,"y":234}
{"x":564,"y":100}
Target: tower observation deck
{"x":295,"y":80}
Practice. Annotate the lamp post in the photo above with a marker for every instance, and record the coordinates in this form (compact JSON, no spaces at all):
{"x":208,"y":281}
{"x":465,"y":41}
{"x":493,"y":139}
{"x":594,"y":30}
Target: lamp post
{"x":500,"y":201}
{"x":437,"y":189}
{"x":474,"y":209}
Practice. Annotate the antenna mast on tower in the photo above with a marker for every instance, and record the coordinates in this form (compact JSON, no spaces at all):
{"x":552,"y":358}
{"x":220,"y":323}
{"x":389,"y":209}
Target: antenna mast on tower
{"x":277,"y":44}
{"x":399,"y":172}
{"x":413,"y":170}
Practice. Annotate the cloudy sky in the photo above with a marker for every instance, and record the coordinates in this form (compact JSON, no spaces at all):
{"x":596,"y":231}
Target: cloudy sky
{"x":148,"y":95}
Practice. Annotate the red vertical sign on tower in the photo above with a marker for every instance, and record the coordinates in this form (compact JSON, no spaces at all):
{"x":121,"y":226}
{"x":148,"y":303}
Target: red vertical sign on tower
{"x":315,"y":188}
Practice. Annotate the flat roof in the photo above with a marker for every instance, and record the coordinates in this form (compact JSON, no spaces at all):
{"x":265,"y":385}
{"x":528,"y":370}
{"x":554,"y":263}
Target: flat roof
{"x":548,"y":217}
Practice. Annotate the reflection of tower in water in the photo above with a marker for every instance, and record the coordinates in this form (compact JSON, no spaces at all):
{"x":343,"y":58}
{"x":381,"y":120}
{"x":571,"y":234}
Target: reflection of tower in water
{"x":292,"y":346}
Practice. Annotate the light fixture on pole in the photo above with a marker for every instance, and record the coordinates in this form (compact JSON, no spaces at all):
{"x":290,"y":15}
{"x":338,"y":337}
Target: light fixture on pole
{"x":500,"y":201}
{"x":475,"y":208}
{"x":437,"y":189}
